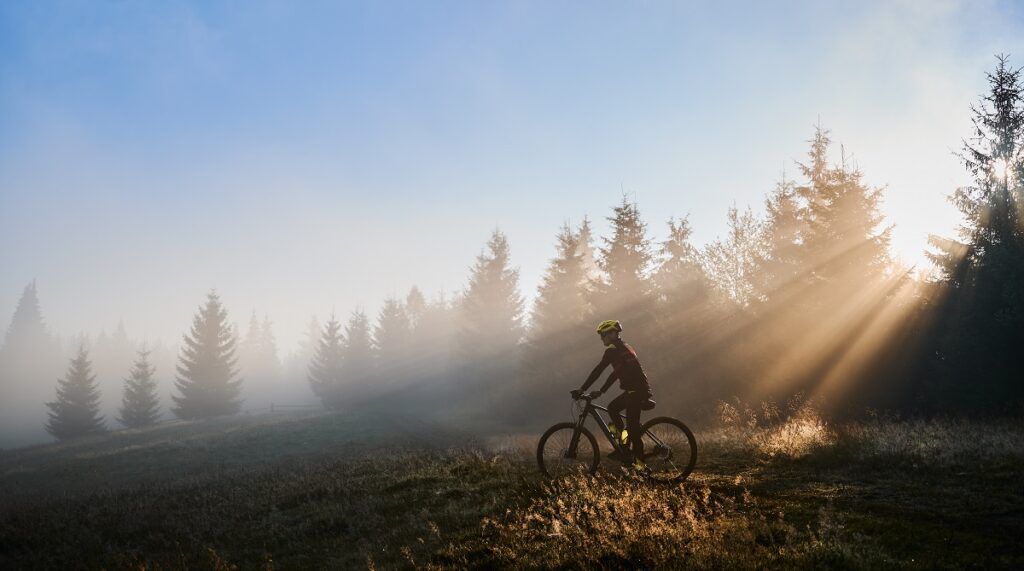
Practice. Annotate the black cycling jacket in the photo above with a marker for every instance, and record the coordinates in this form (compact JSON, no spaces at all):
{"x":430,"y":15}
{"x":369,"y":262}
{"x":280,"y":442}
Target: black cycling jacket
{"x":625,"y":368}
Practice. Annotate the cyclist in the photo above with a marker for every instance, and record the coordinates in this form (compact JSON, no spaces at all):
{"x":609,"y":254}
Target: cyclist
{"x":632,"y":380}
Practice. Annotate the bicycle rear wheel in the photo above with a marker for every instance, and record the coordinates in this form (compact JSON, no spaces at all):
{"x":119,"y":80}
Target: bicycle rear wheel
{"x":670,"y":450}
{"x":556,"y":459}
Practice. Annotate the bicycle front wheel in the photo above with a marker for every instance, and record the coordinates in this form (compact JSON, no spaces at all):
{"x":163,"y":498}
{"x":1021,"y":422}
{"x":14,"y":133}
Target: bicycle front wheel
{"x":670,"y":450}
{"x":556,"y":456}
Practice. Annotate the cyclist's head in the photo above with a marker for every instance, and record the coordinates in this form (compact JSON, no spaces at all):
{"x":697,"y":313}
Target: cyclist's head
{"x":609,"y":331}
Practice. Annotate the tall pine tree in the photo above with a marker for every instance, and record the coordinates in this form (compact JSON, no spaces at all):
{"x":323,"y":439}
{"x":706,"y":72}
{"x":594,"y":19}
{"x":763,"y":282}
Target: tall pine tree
{"x":206,"y":370}
{"x":30,"y":358}
{"x":392,"y":336}
{"x":76,"y":410}
{"x":559,"y":334}
{"x":981,"y":322}
{"x":358,"y":364}
{"x":326,"y":376}
{"x":624,"y":290}
{"x":490,"y":322}
{"x":140,"y":405}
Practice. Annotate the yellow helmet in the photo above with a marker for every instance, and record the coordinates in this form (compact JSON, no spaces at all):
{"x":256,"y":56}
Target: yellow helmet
{"x":609,"y":325}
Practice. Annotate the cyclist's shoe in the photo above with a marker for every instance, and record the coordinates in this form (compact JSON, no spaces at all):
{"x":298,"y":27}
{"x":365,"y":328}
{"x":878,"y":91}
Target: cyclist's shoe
{"x":620,"y":456}
{"x":639,"y":465}
{"x":621,"y":435}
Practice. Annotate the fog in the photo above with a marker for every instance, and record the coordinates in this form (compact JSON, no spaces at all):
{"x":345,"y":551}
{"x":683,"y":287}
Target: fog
{"x":311,"y":174}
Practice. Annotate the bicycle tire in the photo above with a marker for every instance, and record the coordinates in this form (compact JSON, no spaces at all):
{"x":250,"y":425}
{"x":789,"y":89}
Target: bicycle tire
{"x":559,"y":436}
{"x":663,"y":465}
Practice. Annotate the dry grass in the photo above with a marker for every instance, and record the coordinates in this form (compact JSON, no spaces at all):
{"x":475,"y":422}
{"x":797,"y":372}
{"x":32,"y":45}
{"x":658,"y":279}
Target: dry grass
{"x":624,"y":522}
{"x":773,"y":488}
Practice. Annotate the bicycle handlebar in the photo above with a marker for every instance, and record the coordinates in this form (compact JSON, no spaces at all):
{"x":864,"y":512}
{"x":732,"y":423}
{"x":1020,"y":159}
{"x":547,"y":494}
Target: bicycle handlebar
{"x":578,"y":395}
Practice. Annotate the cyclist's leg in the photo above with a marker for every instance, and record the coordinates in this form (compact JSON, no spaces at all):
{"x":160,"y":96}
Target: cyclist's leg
{"x":633,"y":409}
{"x":615,"y":408}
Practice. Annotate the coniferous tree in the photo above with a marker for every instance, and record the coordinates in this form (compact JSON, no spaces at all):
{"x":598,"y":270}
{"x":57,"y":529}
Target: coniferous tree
{"x":559,"y":334}
{"x":26,"y":330}
{"x":206,"y":371}
{"x":326,"y":375}
{"x":29,"y":358}
{"x":624,"y":290}
{"x":490,"y":321}
{"x":588,"y":256}
{"x":841,"y":245}
{"x":434,"y":329}
{"x":358,"y":363}
{"x":780,"y":270}
{"x":76,"y":410}
{"x":680,"y":281}
{"x":140,"y":405}
{"x":415,"y":306}
{"x":259,"y":363}
{"x":391,"y":341}
{"x":981,"y":303}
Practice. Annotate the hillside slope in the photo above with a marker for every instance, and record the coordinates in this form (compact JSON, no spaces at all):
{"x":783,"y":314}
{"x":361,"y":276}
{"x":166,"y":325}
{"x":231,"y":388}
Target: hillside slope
{"x":369,"y":490}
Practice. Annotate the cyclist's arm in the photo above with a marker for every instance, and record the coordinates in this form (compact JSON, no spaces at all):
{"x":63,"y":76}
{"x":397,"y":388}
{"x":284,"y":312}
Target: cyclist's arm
{"x":606,"y":360}
{"x":610,"y":381}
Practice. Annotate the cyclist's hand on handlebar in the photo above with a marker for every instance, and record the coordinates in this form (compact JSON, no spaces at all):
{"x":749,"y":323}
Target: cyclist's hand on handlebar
{"x":575,"y":393}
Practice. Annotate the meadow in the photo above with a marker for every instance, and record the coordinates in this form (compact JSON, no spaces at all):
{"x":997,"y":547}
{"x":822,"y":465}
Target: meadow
{"x":772,"y":489}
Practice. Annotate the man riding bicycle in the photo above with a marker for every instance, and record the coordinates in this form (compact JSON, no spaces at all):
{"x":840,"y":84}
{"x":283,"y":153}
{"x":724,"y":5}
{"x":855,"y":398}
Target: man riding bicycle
{"x":632,"y":380}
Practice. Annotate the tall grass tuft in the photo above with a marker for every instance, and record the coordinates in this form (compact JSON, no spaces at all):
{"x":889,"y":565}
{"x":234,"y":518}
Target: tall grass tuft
{"x":622,"y":521}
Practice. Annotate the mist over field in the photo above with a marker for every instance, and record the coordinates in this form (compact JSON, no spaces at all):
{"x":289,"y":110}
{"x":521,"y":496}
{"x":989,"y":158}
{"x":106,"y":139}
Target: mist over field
{"x":308,"y":286}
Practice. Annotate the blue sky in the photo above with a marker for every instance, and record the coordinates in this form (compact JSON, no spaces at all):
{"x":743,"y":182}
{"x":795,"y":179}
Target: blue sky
{"x":306,"y":156}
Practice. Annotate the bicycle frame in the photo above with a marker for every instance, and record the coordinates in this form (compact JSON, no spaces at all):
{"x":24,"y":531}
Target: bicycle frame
{"x":590,"y":409}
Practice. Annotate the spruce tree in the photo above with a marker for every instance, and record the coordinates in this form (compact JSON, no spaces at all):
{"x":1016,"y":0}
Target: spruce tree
{"x":680,"y":281}
{"x":76,"y":410}
{"x":26,"y":331}
{"x":588,"y":256}
{"x":326,"y":376}
{"x":30,"y":358}
{"x":415,"y":306}
{"x":391,"y":342}
{"x":140,"y":405}
{"x":434,"y":330}
{"x":559,"y":334}
{"x":491,"y":311}
{"x":842,"y":247}
{"x":981,"y":306}
{"x":624,"y":290}
{"x":780,"y":270}
{"x":206,"y":370}
{"x":490,"y":329}
{"x":561,"y":303}
{"x":358,"y":363}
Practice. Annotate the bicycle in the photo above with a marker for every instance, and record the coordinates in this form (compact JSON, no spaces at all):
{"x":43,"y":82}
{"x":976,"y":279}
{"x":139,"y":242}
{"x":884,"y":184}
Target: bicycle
{"x":670,"y":449}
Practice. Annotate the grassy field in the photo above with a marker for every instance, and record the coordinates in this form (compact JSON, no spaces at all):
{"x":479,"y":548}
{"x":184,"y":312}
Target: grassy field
{"x":346,"y":491}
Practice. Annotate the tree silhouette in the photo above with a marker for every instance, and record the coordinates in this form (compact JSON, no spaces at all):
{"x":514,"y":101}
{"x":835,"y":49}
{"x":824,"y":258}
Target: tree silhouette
{"x":624,"y":290}
{"x":490,"y":320}
{"x":981,"y":303}
{"x":140,"y":405}
{"x":392,"y":336}
{"x":326,"y":376}
{"x":76,"y":410}
{"x":207,"y":366}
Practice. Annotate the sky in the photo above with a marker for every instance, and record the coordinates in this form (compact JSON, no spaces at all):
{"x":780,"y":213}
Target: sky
{"x":310,"y":157}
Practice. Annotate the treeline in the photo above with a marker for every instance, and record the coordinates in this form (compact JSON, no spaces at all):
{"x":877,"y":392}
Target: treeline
{"x":802,"y":298}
